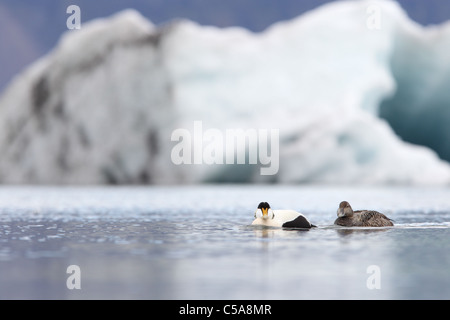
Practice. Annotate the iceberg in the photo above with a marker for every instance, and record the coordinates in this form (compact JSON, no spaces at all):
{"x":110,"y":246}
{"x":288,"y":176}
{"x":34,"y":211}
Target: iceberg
{"x":347,"y":100}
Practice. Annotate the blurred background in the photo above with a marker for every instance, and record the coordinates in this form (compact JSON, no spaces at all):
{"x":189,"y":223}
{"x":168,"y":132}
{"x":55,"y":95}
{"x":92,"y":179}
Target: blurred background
{"x":30,"y":29}
{"x":98,"y":105}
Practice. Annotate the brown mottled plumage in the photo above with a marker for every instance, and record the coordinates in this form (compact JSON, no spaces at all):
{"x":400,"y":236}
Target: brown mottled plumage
{"x":361,"y":218}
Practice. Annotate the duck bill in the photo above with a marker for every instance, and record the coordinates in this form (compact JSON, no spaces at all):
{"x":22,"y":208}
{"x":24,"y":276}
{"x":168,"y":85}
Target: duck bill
{"x":340,"y":213}
{"x":265,"y":213}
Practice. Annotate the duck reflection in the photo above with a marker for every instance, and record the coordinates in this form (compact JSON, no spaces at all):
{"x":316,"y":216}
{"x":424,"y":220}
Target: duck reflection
{"x":270,"y":232}
{"x":358,"y":230}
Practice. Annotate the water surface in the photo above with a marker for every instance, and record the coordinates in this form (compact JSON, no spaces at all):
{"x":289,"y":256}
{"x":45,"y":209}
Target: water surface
{"x":196,"y":242}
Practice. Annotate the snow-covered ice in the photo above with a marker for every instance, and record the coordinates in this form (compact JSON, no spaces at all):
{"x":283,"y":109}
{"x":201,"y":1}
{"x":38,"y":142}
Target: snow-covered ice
{"x":101,"y":107}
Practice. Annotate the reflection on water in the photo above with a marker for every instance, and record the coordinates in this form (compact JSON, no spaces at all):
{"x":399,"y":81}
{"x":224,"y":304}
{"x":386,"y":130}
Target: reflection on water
{"x":197,"y":243}
{"x":271,"y":232}
{"x":348,"y":231}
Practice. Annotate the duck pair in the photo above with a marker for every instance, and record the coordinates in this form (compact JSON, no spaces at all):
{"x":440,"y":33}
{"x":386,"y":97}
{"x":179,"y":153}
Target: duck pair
{"x":265,"y":216}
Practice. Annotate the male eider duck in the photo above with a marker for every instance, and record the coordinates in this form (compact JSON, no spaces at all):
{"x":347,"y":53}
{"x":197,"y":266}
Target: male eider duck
{"x":361,"y":218}
{"x":265,"y":216}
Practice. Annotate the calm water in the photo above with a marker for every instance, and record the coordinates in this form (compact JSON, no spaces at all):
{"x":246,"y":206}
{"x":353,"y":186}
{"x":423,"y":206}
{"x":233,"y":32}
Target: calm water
{"x":197,"y":243}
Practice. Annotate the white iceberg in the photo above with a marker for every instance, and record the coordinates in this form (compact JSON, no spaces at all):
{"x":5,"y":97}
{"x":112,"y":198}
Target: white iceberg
{"x":101,"y":107}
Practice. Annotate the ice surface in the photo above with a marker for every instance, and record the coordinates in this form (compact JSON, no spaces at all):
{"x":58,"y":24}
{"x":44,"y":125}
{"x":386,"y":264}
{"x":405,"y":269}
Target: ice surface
{"x":101,"y":107}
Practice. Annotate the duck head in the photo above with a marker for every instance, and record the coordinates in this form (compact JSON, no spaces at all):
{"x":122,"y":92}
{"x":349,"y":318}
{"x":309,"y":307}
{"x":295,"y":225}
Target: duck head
{"x":345,"y":210}
{"x":264,"y":211}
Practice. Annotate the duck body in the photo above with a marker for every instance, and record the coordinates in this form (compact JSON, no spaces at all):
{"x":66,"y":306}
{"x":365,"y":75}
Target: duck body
{"x":360,"y":218}
{"x":265,"y":216}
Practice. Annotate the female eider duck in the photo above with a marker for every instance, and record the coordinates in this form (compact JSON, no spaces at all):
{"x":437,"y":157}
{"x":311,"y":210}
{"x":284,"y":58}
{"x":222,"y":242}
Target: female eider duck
{"x":265,"y":216}
{"x":361,"y":218}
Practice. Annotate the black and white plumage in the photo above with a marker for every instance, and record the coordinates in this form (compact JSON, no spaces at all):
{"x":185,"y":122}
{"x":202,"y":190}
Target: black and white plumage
{"x":361,"y":218}
{"x":265,"y":216}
